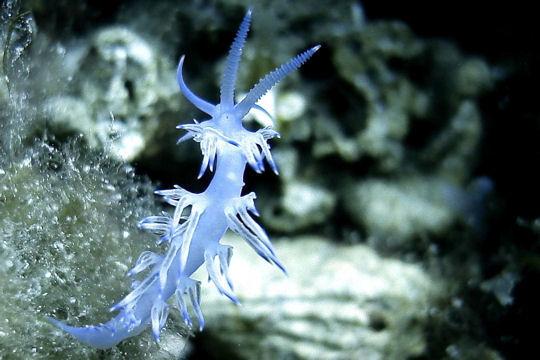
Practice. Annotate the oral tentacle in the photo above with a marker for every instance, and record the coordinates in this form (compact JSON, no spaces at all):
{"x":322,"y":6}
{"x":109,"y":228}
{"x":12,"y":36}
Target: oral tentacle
{"x":198,"y":102}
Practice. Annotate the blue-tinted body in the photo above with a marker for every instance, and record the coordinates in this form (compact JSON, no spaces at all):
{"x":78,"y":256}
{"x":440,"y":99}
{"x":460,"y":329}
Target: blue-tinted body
{"x":199,"y":221}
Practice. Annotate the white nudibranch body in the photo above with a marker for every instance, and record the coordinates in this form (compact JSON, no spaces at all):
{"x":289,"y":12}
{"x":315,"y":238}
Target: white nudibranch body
{"x":199,"y":221}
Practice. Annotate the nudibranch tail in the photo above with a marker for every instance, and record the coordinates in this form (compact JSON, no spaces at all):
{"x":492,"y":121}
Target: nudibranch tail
{"x":102,"y":336}
{"x":193,"y":233}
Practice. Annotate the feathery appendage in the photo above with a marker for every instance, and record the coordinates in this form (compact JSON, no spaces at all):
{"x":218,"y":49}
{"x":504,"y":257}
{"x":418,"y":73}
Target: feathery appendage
{"x":239,"y":221}
{"x":193,"y":233}
{"x":140,"y":289}
{"x":255,"y":148}
{"x":183,"y":232}
{"x":191,"y":289}
{"x":146,"y":260}
{"x":158,"y":314}
{"x":160,"y":226}
{"x":209,"y":138}
{"x":219,"y":273}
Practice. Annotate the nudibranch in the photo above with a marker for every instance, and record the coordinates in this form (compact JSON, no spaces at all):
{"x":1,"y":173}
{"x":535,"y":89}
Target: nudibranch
{"x":193,"y":233}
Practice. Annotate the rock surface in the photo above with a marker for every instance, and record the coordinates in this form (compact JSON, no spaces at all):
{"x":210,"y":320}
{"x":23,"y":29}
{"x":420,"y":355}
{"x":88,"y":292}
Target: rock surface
{"x":121,"y":88}
{"x":339,"y":302}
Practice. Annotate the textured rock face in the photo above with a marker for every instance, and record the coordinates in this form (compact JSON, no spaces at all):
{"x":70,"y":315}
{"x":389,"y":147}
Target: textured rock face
{"x":339,"y":302}
{"x":301,"y":205}
{"x":397,"y":213}
{"x":121,"y":87}
{"x":400,"y":210}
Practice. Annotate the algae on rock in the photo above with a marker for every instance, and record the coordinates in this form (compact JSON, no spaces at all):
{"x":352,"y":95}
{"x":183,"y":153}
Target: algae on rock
{"x":67,"y":237}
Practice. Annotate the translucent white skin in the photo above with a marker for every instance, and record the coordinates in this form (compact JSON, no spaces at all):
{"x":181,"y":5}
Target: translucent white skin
{"x":194,"y":239}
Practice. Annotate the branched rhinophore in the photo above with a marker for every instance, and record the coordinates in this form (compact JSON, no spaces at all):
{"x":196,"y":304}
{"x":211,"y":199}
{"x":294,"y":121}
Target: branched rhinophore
{"x":199,"y":221}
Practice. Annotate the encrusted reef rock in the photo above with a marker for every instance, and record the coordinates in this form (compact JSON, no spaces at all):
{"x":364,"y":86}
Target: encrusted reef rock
{"x":401,"y":210}
{"x":121,"y":88}
{"x":397,"y":212}
{"x":303,"y":203}
{"x":339,"y":302}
